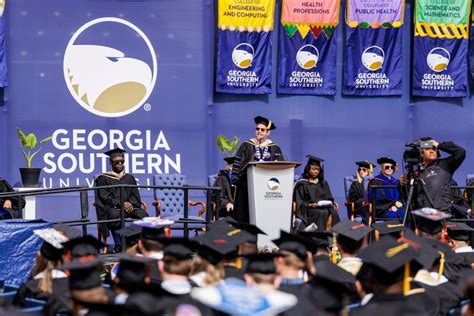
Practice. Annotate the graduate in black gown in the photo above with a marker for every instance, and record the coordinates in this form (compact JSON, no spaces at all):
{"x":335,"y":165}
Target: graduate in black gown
{"x":313,"y":197}
{"x":46,"y":277}
{"x":9,"y":207}
{"x":358,"y":192}
{"x":259,"y":148}
{"x":107,"y":201}
{"x":224,"y":198}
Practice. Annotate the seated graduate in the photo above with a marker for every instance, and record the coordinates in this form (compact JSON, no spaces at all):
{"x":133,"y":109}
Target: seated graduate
{"x":313,"y":197}
{"x":387,"y":202}
{"x":259,"y":148}
{"x":358,"y":192}
{"x":107,"y":200}
{"x":45,"y":278}
{"x":9,"y":207}
{"x":224,"y":199}
{"x":459,"y":236}
{"x":350,"y":239}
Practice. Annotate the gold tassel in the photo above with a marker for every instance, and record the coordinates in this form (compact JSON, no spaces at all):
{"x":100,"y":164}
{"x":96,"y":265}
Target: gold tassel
{"x":406,"y":279}
{"x":334,"y":249}
{"x":238,"y":263}
{"x":441,"y":266}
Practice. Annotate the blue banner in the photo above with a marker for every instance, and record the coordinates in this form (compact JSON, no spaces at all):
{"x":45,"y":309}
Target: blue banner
{"x":440,"y":48}
{"x":439,"y":67}
{"x":3,"y":57}
{"x":307,"y":65}
{"x":244,"y":62}
{"x":373,"y":54}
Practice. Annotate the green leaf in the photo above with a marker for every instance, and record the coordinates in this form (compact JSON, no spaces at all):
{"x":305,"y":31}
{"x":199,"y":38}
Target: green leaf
{"x":223,"y":143}
{"x":234,"y":143}
{"x":30,"y":141}
{"x":46,"y":139}
{"x":21,"y":135}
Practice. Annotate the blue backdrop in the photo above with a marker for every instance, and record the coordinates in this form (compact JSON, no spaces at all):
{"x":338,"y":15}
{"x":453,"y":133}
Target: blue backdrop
{"x":182,"y":103}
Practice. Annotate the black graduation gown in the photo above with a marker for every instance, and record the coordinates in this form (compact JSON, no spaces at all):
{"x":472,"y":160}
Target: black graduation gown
{"x":16,"y":205}
{"x":157,"y":301}
{"x":30,"y":290}
{"x":225,"y":195}
{"x":107,"y":201}
{"x":390,"y":305}
{"x":246,"y":153}
{"x":306,"y":192}
{"x":233,"y":272}
{"x":358,"y":196}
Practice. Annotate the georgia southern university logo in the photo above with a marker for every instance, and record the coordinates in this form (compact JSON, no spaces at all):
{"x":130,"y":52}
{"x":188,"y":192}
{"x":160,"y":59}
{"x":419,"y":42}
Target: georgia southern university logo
{"x":273,"y":184}
{"x":103,"y":71}
{"x":242,"y":55}
{"x":438,"y":59}
{"x":307,"y":57}
{"x":373,"y":58}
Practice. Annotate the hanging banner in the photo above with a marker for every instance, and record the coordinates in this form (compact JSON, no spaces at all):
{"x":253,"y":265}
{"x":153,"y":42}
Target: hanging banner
{"x":244,"y":47}
{"x":3,"y":57}
{"x":307,"y":47}
{"x":471,"y":51}
{"x":373,"y":54}
{"x":440,"y":48}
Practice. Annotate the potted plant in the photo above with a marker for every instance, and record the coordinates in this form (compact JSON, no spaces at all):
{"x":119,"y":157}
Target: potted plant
{"x":29,"y":144}
{"x":226,"y":145}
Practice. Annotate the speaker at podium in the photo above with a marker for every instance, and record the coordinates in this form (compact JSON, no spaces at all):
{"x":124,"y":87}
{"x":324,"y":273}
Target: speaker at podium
{"x":270,"y":189}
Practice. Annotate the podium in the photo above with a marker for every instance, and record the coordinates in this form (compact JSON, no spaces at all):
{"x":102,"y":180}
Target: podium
{"x":270,"y":188}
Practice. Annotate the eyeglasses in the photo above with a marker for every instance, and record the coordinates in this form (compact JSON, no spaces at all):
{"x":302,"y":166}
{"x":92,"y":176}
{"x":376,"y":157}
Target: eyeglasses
{"x":118,"y":162}
{"x":258,"y":129}
{"x":362,"y":169}
{"x":388,"y":167}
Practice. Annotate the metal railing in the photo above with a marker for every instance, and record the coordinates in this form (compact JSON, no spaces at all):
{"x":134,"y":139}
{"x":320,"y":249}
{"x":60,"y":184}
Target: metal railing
{"x":84,"y":203}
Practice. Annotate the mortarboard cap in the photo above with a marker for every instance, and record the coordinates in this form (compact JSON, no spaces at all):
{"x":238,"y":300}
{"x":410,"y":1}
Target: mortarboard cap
{"x":263,"y":263}
{"x":251,"y":229}
{"x":295,"y":244}
{"x":132,"y":234}
{"x":212,"y":254}
{"x":133,"y":270}
{"x":387,"y":254}
{"x":351,"y":230}
{"x":320,"y":239}
{"x":315,"y":159}
{"x":427,"y":254}
{"x":179,"y":248}
{"x":153,"y":228}
{"x":388,"y":160}
{"x":393,"y":228}
{"x":263,"y":120}
{"x":84,"y":275}
{"x":115,"y":152}
{"x":68,"y":231}
{"x":52,"y":247}
{"x":84,"y":246}
{"x":459,"y":210}
{"x":365,"y":164}
{"x":229,"y":160}
{"x":329,"y":285}
{"x":459,"y":231}
{"x":430,"y":220}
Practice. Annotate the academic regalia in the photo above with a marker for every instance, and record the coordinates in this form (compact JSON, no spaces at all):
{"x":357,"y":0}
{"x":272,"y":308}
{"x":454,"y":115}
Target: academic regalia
{"x":384,"y":198}
{"x":390,"y":305}
{"x":107,"y":201}
{"x":358,"y":196}
{"x":225,"y":195}
{"x":306,"y":192}
{"x":30,"y":289}
{"x":16,"y":207}
{"x":246,"y":153}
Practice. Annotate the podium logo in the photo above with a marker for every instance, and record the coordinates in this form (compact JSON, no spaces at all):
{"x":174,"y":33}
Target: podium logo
{"x":103,"y":79}
{"x":273,"y":184}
